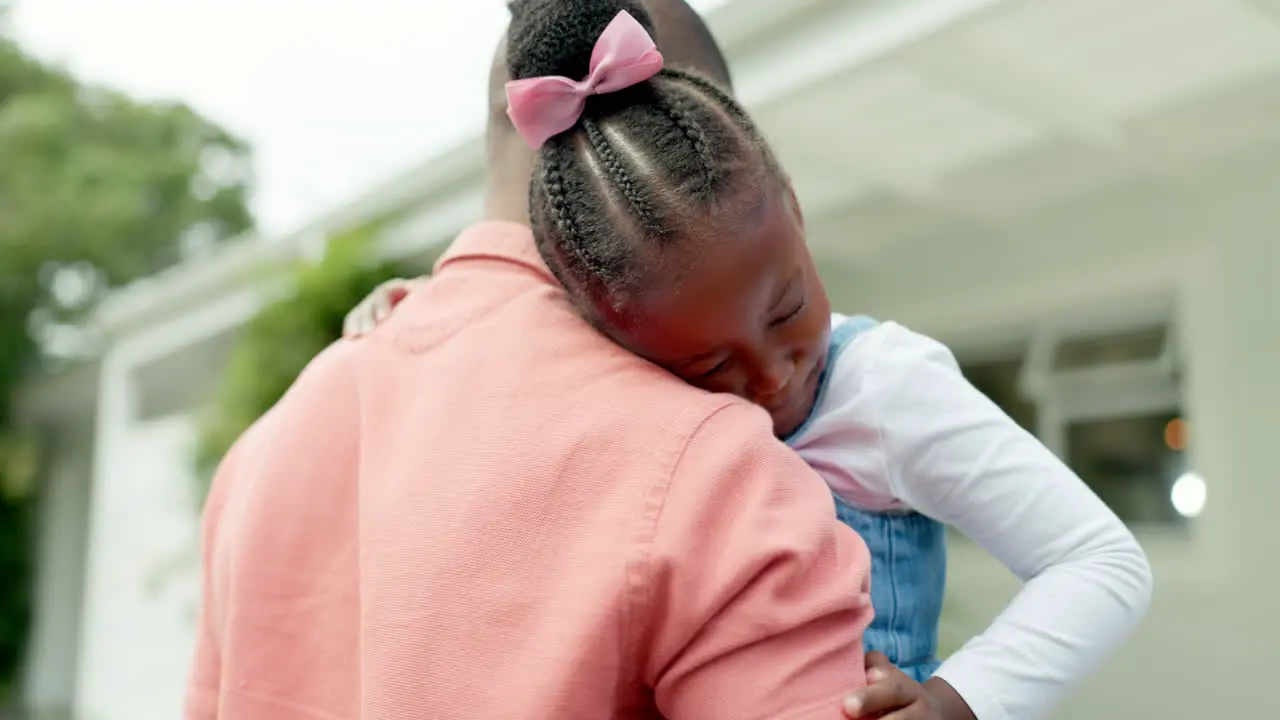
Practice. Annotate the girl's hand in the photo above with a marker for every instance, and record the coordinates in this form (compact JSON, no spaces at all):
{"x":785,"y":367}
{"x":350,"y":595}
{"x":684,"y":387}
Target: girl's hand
{"x":892,"y":695}
{"x":373,"y":310}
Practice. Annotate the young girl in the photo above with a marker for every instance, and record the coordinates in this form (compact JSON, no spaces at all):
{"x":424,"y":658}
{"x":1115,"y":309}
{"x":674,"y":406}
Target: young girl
{"x":667,"y":219}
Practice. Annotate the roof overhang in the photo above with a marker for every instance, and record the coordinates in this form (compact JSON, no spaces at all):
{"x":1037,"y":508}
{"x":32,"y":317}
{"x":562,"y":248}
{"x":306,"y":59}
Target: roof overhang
{"x":989,"y":118}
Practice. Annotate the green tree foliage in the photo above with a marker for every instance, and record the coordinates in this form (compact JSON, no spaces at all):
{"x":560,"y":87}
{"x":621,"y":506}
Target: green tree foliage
{"x":285,"y":336}
{"x":99,"y":189}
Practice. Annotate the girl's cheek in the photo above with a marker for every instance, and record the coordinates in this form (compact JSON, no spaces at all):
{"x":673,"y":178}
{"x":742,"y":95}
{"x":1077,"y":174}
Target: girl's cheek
{"x":718,"y":384}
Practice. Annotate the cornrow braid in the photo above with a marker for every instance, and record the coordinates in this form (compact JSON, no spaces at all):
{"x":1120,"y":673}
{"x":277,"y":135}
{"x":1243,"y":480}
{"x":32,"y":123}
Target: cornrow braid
{"x":726,"y":103}
{"x":641,"y":169}
{"x":590,"y":261}
{"x":675,"y":109}
{"x":554,"y":182}
{"x":640,"y":206}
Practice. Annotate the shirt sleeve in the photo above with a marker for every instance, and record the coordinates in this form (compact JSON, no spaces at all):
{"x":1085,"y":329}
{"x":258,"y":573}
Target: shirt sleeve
{"x":759,"y":598}
{"x":953,"y":455}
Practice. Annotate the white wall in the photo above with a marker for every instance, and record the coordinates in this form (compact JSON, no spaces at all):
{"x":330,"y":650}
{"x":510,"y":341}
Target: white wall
{"x":143,"y":587}
{"x":1209,"y":646}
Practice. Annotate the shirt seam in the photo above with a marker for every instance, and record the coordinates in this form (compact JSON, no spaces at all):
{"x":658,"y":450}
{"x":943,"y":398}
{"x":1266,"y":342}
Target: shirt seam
{"x":656,"y":501}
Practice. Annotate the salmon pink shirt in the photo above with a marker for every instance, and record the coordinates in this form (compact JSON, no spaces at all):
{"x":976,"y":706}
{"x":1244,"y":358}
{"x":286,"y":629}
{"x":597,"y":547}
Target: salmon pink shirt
{"x":487,"y":510}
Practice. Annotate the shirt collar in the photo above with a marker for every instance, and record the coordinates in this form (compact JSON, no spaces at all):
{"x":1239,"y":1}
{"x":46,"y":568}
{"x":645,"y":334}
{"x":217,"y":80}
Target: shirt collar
{"x":496,"y":240}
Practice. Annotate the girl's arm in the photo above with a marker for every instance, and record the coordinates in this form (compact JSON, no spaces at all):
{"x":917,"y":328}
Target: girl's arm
{"x":941,"y":447}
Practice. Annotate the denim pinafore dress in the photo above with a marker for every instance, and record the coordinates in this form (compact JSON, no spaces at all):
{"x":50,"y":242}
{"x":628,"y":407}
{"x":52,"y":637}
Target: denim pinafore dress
{"x":908,"y":558}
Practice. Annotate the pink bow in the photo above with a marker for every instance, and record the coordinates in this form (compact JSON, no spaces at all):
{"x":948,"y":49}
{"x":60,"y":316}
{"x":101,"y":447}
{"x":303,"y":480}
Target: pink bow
{"x":544,"y":107}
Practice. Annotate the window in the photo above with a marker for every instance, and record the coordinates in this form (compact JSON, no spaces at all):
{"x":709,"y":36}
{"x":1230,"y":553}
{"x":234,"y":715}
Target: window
{"x":1131,"y":464}
{"x":1109,"y":404}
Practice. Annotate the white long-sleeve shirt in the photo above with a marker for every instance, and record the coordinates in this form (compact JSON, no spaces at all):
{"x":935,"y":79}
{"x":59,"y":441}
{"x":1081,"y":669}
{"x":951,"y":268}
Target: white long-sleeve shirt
{"x":899,"y":427}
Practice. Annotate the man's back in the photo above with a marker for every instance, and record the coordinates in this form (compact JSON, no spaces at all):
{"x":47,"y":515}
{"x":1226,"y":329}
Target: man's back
{"x":486,"y":509}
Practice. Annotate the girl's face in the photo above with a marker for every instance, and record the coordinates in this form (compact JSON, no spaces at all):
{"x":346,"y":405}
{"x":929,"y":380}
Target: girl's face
{"x":738,"y":309}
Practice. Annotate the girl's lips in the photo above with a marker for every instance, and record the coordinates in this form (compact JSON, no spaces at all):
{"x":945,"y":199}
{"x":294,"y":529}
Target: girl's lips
{"x":799,"y":402}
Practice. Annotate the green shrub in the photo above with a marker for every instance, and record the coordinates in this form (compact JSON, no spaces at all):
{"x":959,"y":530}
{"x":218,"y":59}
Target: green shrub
{"x":277,"y":344}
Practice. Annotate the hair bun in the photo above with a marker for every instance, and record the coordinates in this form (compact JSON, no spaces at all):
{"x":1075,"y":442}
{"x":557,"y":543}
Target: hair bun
{"x":556,"y":37}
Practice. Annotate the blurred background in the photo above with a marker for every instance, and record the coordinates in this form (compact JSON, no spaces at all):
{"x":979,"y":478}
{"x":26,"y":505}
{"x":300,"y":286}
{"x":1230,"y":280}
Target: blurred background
{"x":1079,"y":196}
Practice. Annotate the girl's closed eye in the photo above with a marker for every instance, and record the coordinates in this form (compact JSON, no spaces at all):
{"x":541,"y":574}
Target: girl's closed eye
{"x":791,"y":315}
{"x":714,"y":369}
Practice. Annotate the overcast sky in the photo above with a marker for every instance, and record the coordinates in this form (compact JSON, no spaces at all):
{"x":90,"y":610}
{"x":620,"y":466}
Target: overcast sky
{"x":334,"y":96}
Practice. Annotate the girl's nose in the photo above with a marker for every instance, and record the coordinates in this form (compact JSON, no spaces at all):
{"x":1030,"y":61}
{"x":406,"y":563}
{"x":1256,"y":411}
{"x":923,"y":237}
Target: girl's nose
{"x":774,"y":377}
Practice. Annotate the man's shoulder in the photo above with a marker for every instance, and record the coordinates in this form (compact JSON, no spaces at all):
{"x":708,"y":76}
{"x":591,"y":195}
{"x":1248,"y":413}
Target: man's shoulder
{"x":616,"y":398}
{"x":668,"y":424}
{"x":630,"y":390}
{"x":323,"y":394}
{"x":333,"y":367}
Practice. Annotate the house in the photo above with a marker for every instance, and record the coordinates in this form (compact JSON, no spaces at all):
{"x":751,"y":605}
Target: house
{"x":1078,"y":197}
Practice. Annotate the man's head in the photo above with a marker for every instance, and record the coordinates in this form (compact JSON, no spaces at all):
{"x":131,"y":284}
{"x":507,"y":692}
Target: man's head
{"x":665,"y":216}
{"x":682,"y":37}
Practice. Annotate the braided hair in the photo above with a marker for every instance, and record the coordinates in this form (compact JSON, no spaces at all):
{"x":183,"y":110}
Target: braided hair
{"x":640,"y":169}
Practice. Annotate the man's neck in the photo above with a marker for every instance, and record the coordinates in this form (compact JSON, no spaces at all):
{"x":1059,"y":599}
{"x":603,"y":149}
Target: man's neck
{"x":501,"y":204}
{"x":510,"y":166}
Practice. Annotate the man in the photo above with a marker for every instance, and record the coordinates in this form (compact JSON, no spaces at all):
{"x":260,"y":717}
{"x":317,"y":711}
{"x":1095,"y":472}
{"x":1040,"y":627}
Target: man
{"x":485,"y":509}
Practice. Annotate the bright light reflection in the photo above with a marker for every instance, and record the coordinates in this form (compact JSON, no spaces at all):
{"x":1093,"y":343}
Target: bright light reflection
{"x":1188,"y":495}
